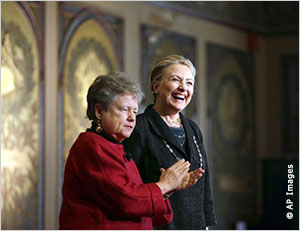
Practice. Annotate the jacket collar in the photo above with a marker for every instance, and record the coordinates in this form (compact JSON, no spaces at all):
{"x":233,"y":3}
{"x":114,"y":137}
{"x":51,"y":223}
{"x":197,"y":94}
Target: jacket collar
{"x":161,"y":129}
{"x":102,"y":133}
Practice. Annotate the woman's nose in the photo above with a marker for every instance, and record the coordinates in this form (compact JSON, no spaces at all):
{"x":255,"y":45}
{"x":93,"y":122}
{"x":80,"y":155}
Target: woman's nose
{"x":131,"y":116}
{"x":182,"y":86}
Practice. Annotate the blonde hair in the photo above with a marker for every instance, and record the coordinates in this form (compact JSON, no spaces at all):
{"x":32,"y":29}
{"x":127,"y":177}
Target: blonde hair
{"x":158,"y":70}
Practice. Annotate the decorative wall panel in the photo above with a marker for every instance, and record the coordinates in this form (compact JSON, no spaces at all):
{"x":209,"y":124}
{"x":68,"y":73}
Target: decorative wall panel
{"x":230,"y":103}
{"x":158,"y":43}
{"x":21,"y":117}
{"x":91,"y":45}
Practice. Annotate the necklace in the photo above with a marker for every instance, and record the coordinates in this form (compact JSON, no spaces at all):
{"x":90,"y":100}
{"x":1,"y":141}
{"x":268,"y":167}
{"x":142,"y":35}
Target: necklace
{"x":177,"y":158}
{"x":172,"y":123}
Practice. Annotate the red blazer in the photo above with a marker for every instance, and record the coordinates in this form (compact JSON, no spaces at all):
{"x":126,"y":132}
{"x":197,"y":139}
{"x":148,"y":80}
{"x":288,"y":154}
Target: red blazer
{"x":103,"y":190}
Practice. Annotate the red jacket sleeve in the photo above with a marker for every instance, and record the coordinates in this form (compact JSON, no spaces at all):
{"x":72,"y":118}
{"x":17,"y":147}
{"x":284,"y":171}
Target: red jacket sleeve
{"x":160,"y":220}
{"x":102,"y":173}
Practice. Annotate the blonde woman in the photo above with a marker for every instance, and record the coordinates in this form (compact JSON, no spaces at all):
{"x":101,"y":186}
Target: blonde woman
{"x":163,"y":135}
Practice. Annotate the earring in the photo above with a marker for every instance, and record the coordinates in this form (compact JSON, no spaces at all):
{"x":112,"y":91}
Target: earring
{"x":99,"y":127}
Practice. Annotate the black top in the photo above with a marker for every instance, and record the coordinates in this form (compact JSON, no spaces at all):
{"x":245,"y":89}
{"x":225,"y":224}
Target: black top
{"x":150,"y":146}
{"x":102,"y":133}
{"x":179,"y":133}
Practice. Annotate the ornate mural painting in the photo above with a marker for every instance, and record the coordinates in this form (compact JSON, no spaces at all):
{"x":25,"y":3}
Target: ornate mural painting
{"x":230,"y":103}
{"x":21,"y":127}
{"x":91,"y":46}
{"x":158,"y":43}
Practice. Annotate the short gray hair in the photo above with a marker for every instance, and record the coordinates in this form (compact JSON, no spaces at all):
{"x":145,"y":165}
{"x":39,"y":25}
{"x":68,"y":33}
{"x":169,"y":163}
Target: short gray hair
{"x":106,"y":87}
{"x":158,"y":70}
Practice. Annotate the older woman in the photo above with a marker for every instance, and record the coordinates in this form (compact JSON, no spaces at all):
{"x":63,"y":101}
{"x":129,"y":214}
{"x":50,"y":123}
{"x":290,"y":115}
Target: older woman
{"x":163,"y":135}
{"x":102,"y":188}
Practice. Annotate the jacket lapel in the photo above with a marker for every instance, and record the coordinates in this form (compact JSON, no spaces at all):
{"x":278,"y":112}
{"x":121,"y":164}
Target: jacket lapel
{"x":189,"y":133}
{"x":161,"y":129}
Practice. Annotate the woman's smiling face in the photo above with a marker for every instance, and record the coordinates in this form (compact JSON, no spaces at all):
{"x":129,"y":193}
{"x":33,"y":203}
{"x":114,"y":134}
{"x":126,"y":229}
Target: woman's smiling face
{"x":175,"y":90}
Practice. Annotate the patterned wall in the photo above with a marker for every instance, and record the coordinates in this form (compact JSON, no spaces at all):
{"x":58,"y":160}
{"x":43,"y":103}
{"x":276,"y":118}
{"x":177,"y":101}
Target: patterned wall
{"x":21,"y":116}
{"x":231,"y":103}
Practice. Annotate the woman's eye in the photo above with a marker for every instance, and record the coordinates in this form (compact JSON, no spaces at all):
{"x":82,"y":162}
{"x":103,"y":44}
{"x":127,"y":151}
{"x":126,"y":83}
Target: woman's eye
{"x":190,"y":83}
{"x":175,"y":79}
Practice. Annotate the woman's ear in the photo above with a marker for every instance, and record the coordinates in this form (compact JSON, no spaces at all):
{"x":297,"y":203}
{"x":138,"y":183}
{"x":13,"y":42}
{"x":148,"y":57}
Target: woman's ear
{"x":155,"y":87}
{"x":98,"y":110}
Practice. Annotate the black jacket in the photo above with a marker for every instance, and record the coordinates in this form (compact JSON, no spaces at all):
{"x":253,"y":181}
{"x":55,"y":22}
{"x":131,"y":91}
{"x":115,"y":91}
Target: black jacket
{"x":193,"y":207}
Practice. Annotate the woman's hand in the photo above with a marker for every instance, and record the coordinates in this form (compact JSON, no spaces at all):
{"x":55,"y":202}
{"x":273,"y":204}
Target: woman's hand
{"x":190,"y":179}
{"x":171,"y":178}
